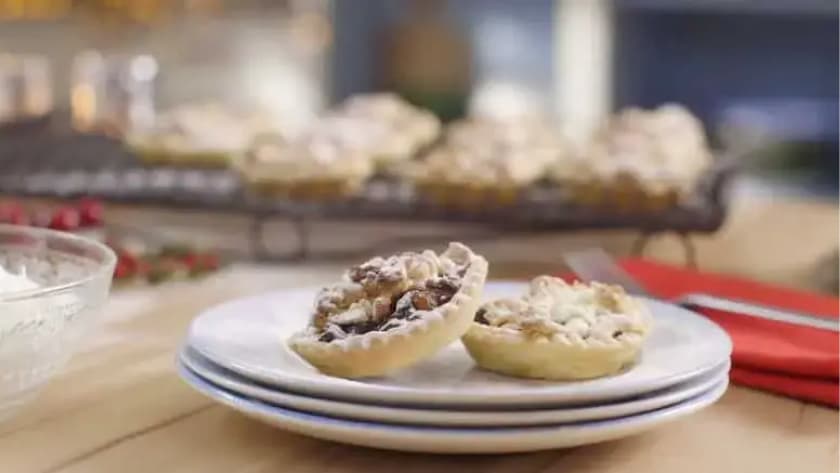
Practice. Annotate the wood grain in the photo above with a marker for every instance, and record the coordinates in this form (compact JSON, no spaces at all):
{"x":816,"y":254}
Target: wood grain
{"x":119,"y":407}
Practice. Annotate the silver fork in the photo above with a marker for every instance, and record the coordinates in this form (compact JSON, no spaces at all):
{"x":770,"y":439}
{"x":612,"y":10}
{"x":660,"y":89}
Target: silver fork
{"x":597,"y":265}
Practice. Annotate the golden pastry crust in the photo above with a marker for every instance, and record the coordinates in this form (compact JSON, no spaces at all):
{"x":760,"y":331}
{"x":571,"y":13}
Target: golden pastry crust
{"x":156,"y":155}
{"x":559,"y":331}
{"x":469,"y":196}
{"x":391,"y":313}
{"x":623,"y":193}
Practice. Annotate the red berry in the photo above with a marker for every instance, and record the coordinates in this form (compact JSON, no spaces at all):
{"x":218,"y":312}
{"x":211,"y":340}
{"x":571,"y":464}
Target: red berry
{"x":65,"y":218}
{"x":123,"y":270}
{"x":90,"y":212}
{"x":127,"y":258}
{"x":128,"y":262}
{"x":191,"y":261}
{"x":14,"y":213}
{"x":202,"y":263}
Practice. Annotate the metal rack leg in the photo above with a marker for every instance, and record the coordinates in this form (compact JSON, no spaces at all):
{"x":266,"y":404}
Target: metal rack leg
{"x":640,"y":244}
{"x":302,"y":229}
{"x":689,"y":250}
{"x":258,"y":249}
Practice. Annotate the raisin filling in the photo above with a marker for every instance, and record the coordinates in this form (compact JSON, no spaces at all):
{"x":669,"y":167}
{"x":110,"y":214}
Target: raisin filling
{"x":386,"y":309}
{"x":378,"y":277}
{"x":479,"y":316}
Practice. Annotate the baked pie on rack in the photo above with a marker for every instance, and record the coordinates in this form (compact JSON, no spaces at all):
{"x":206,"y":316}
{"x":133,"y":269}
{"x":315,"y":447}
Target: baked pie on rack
{"x":488,"y":161}
{"x":642,"y":159}
{"x":335,"y":156}
{"x":389,"y":313}
{"x":391,"y":129}
{"x":315,"y":167}
{"x":559,"y":331}
{"x":203,"y":135}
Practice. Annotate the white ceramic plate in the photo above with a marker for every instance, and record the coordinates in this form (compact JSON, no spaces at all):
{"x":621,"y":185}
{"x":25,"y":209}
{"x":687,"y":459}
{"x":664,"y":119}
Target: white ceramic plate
{"x":230,"y":381}
{"x":248,"y":336}
{"x":450,"y":439}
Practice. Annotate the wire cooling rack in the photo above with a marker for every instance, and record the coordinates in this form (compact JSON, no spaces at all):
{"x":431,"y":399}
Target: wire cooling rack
{"x":46,"y":163}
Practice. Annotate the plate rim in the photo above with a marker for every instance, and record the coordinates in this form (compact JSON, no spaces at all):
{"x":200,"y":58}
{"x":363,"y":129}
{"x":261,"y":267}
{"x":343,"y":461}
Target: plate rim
{"x":361,"y":392}
{"x":452,"y":439}
{"x":437,"y":416}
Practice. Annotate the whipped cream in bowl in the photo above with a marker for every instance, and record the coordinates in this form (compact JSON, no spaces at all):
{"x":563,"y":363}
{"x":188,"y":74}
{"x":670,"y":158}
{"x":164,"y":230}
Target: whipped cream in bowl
{"x":52,"y":285}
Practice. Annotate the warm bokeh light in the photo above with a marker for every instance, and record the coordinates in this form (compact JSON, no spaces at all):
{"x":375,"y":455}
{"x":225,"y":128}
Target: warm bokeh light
{"x":83,"y":106}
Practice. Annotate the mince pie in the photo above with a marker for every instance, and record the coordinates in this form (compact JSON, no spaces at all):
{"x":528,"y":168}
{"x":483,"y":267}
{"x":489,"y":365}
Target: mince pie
{"x":559,"y":331}
{"x":390,"y":129}
{"x":389,"y":313}
{"x":642,"y":159}
{"x":483,"y":160}
{"x":205,"y":135}
{"x":316,"y":166}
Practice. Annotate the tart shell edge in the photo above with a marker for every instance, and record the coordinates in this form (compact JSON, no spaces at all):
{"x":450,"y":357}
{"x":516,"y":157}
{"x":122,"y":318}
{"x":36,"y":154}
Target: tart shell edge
{"x":379,"y":353}
{"x":513,"y":354}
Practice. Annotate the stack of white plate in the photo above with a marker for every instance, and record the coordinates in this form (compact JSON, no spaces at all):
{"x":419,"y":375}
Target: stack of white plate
{"x":236,"y":354}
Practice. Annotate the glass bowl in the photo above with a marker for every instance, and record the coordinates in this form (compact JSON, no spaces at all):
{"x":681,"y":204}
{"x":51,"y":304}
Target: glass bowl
{"x":41,"y":328}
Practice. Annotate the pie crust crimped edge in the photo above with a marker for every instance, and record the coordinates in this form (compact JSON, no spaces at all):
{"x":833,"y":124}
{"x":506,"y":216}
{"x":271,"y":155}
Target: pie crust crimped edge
{"x":378,"y":353}
{"x":510,"y":352}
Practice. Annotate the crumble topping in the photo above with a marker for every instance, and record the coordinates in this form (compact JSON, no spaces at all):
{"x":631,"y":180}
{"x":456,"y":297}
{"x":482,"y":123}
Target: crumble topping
{"x":386,"y":293}
{"x":205,"y":127}
{"x":416,"y":126}
{"x":346,"y":144}
{"x":493,"y":152}
{"x":663,"y":148}
{"x":315,"y":155}
{"x":553,"y":309}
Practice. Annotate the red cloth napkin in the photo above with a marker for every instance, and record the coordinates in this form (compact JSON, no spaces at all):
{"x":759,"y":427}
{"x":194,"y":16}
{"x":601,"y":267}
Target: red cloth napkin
{"x":795,"y":361}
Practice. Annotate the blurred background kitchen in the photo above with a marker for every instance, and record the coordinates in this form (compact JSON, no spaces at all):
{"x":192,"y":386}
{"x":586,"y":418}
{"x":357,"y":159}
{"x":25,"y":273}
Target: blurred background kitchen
{"x":89,"y":89}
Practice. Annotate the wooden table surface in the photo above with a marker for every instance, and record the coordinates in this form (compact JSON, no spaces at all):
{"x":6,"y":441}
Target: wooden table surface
{"x":119,"y":406}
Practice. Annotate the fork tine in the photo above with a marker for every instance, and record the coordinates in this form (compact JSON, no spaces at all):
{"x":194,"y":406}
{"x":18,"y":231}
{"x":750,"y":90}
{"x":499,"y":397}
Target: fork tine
{"x":595,"y":264}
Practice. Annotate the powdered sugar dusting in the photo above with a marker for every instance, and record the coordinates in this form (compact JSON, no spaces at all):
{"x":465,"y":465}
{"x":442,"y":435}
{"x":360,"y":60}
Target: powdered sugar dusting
{"x":578,"y":312}
{"x":386,"y":293}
